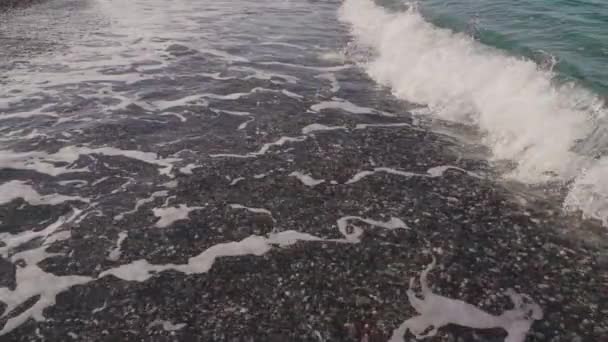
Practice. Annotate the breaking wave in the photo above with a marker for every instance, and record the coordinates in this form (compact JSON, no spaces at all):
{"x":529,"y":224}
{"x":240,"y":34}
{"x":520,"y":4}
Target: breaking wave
{"x":549,"y":131}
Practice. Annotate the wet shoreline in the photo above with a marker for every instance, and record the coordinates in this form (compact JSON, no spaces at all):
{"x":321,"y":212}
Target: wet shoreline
{"x":484,"y":243}
{"x":159,"y":188}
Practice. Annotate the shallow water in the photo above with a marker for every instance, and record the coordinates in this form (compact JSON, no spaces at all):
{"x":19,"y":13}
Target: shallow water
{"x":136,"y":137}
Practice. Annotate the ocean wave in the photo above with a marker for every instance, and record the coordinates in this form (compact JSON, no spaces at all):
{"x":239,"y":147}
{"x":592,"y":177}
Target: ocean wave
{"x":547,"y":130}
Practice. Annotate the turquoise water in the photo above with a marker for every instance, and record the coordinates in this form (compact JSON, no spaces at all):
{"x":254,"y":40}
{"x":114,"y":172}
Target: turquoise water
{"x":574,"y":32}
{"x":530,"y":76}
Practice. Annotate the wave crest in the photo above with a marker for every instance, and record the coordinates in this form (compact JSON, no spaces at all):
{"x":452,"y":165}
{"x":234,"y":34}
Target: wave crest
{"x":541,"y":126}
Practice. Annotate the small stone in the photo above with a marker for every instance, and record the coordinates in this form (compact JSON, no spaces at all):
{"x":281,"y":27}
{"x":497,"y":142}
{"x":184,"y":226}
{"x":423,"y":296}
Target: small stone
{"x":548,"y":246}
{"x":263,"y":221}
{"x":540,"y":336}
{"x":576,"y":338}
{"x":600,"y":331}
{"x":361,"y":301}
{"x":602,"y":260}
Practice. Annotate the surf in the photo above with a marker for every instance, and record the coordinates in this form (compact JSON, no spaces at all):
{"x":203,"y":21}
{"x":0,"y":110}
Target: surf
{"x":550,"y":132}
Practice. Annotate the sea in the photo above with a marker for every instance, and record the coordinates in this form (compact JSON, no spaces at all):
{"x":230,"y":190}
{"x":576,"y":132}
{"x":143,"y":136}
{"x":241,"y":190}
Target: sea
{"x":184,"y":170}
{"x":528,"y":76}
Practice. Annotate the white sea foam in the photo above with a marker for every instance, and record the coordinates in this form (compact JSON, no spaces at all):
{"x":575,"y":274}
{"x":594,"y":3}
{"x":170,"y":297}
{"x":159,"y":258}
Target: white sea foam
{"x":233,"y":112}
{"x":34,"y":161}
{"x":436,"y":311}
{"x":43,"y":162}
{"x":319,"y":128}
{"x":354,"y":234}
{"x":167,"y":325}
{"x":100,"y":309}
{"x":77,"y":183}
{"x":291,"y":94}
{"x":589,"y":192}
{"x":184,"y":101}
{"x":19,"y":189}
{"x":264,"y":75}
{"x":115,"y":252}
{"x":525,"y":116}
{"x":100,"y":180}
{"x":187,"y":170}
{"x":32,"y":280}
{"x":263,"y":150}
{"x":236,"y":181}
{"x":237,"y":96}
{"x":290,"y":237}
{"x":142,"y":270}
{"x":253,"y":210}
{"x":333,"y":56}
{"x":172,"y":214}
{"x":439,"y":171}
{"x":28,"y":114}
{"x":433,"y":172}
{"x":244,"y":125}
{"x":346,"y":106}
{"x":309,"y":67}
{"x":386,"y":125}
{"x":262,"y":175}
{"x":12,"y":241}
{"x":306,"y":179}
{"x":179,"y":116}
{"x":289,"y":45}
